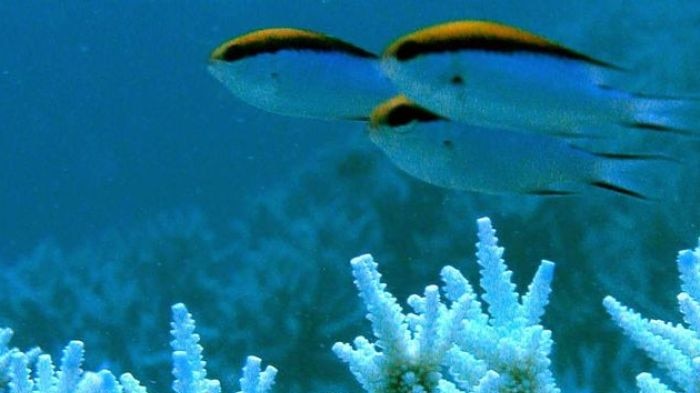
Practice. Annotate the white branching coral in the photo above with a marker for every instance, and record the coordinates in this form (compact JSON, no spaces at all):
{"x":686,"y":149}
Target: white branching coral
{"x":188,"y":363}
{"x":69,"y":378}
{"x":188,"y":368}
{"x":504,"y":350}
{"x":255,"y":379}
{"x":675,"y":348}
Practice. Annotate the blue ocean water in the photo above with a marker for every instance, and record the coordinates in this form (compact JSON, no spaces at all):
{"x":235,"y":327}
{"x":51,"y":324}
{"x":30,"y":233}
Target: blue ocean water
{"x":132,"y":180}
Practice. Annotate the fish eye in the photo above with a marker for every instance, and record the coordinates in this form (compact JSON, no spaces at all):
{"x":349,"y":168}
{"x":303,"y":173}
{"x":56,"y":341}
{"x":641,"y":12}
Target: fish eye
{"x":457,"y":80}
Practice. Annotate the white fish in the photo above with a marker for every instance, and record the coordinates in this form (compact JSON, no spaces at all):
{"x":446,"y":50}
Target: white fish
{"x":463,"y":157}
{"x":301,"y":73}
{"x":494,"y":75}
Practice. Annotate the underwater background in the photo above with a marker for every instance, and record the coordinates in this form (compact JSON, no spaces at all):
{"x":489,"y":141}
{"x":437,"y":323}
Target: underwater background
{"x":131,"y":180}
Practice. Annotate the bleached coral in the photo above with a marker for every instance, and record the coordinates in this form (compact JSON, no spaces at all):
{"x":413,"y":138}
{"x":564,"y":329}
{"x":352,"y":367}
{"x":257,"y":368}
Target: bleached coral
{"x":188,"y":363}
{"x":140,"y":271}
{"x":449,"y":345}
{"x":256,"y":380}
{"x":675,"y":348}
{"x":188,"y":368}
{"x":504,"y":350}
{"x":453,"y":341}
{"x":69,"y":378}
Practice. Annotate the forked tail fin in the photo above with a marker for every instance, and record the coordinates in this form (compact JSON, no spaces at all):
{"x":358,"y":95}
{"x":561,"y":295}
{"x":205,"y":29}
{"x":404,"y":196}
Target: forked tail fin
{"x":673,"y":115}
{"x":652,"y":178}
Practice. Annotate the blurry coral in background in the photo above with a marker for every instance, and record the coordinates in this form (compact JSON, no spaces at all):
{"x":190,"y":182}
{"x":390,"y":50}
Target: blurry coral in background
{"x":112,"y":293}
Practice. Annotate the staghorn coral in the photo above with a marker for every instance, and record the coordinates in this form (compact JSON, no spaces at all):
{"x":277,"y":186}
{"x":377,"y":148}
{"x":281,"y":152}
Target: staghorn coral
{"x":188,"y":368}
{"x":673,"y":347}
{"x":506,"y":350}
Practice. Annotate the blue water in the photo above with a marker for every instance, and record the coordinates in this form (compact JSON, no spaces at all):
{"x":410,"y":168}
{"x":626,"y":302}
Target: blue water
{"x":120,"y":154}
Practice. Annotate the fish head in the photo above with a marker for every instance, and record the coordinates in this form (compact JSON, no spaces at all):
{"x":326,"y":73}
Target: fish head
{"x":247,"y":82}
{"x":397,"y":116}
{"x":419,"y":142}
{"x":250,"y":66}
{"x":300,"y":73}
{"x":454,"y":64}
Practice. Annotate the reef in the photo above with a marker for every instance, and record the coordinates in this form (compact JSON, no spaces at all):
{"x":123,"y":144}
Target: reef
{"x":453,"y":341}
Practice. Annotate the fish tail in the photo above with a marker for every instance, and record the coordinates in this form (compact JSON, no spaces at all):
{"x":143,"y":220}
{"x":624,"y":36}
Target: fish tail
{"x":643,"y":177}
{"x":671,"y":115}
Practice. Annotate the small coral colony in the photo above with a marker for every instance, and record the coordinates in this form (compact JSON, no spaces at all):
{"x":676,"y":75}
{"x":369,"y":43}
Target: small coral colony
{"x":467,"y":105}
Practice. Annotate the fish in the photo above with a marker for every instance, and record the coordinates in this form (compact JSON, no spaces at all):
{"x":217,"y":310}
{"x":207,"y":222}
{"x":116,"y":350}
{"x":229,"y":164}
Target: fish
{"x":459,"y":156}
{"x":495,"y":75}
{"x":301,"y":73}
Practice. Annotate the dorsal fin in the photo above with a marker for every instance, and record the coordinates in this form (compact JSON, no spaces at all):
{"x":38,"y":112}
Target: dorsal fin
{"x":276,"y":39}
{"x":399,"y":111}
{"x":481,"y":36}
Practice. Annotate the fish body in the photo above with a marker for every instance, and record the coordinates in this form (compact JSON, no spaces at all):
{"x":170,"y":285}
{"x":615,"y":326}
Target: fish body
{"x":493,"y":75}
{"x":301,"y":73}
{"x":491,"y":160}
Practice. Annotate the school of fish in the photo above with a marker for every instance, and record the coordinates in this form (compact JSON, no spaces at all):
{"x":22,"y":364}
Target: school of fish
{"x":470,"y":105}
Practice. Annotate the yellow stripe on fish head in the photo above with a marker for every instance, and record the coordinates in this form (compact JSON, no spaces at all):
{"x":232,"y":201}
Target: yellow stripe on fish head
{"x":278,"y":39}
{"x":399,"y":111}
{"x":479,"y":36}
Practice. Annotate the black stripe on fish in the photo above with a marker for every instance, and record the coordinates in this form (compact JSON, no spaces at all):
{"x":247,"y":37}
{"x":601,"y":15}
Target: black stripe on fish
{"x":626,"y":156}
{"x":403,"y":114}
{"x":480,"y":36}
{"x":412,"y":49}
{"x":278,"y":39}
{"x":621,"y":190}
{"x":656,"y":127}
{"x":399,"y":111}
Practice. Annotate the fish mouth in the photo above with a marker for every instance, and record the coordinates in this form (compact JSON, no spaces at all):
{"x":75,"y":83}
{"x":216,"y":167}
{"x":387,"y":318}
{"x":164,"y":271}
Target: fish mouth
{"x":214,"y":68}
{"x":218,"y":70}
